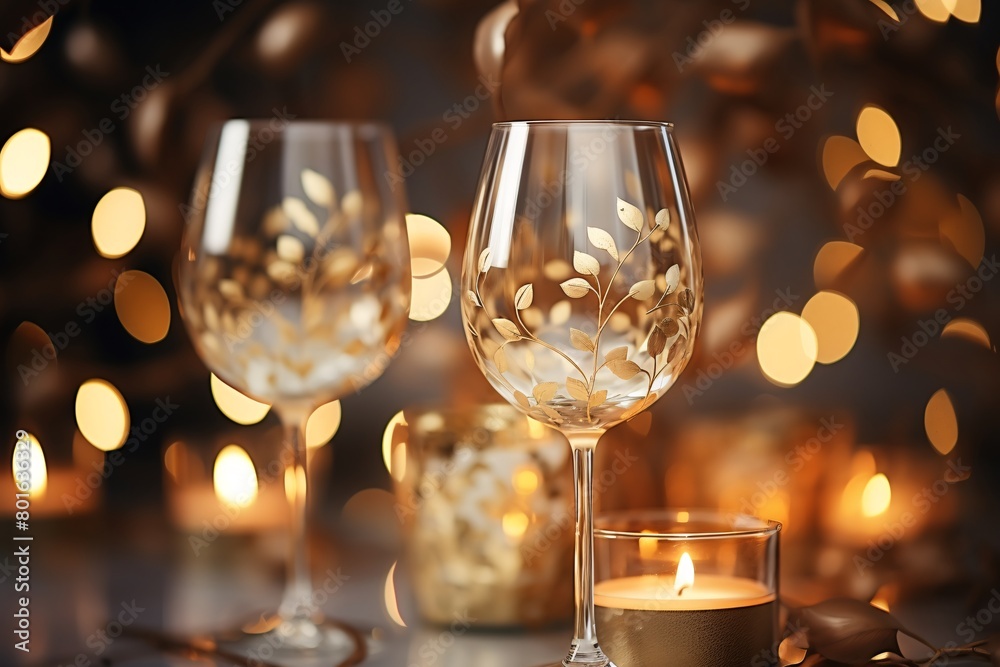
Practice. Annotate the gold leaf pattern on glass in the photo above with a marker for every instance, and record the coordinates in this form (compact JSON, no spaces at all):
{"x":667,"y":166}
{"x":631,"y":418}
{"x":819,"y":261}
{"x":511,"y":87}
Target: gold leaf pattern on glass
{"x":603,"y":241}
{"x":630,"y":216}
{"x":580,"y":340}
{"x":669,"y":327}
{"x":521,"y":399}
{"x":663,"y":218}
{"x":597,"y":398}
{"x":586,"y":264}
{"x":500,"y":359}
{"x":484,"y":260}
{"x":577,"y":389}
{"x":545,"y":391}
{"x":318,"y":188}
{"x":524,"y":297}
{"x":642,"y":290}
{"x":673,"y":278}
{"x":576,"y":288}
{"x":507,"y":328}
{"x":657,"y":342}
{"x":623,"y":368}
{"x":300,"y":215}
{"x":617,"y":354}
{"x":290,"y":249}
{"x":473,"y":299}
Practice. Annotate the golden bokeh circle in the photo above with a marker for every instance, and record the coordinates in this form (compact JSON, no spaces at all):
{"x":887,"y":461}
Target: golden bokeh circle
{"x":786,"y":349}
{"x":24,"y":159}
{"x":142,"y":306}
{"x":102,"y":414}
{"x":836,"y":321}
{"x":118,"y":222}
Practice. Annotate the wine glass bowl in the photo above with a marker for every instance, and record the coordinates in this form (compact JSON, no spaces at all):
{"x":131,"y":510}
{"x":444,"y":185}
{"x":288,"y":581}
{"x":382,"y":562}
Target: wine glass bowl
{"x":582,"y":291}
{"x":294,"y":284}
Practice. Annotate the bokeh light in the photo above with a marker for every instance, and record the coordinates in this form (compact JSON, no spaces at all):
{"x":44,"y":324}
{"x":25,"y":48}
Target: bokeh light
{"x":877,"y":496}
{"x":394,"y":446}
{"x":879,"y":136}
{"x":29,"y":43}
{"x":430,"y":244}
{"x":430,"y":296}
{"x":235,"y":405}
{"x":322,"y":424}
{"x":832,"y":260}
{"x":941,"y":422}
{"x":142,"y":306}
{"x":37,"y":470}
{"x":786,"y":349}
{"x":836,"y":321}
{"x":963,"y":230}
{"x":24,"y":160}
{"x":102,"y":414}
{"x":391,"y":605}
{"x":234,"y":477}
{"x":935,"y":10}
{"x":515,"y":524}
{"x":970,"y":330}
{"x":839,"y":156}
{"x":118,"y":222}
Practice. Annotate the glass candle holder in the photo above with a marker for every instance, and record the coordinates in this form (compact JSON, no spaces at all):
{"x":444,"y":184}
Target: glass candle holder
{"x":486,"y":502}
{"x":686,"y":588}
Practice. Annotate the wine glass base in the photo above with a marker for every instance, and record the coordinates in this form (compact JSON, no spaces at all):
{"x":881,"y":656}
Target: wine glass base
{"x":300,"y":642}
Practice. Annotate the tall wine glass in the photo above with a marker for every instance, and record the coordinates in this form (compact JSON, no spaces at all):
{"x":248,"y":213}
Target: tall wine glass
{"x":294,"y":284}
{"x":582,"y":290}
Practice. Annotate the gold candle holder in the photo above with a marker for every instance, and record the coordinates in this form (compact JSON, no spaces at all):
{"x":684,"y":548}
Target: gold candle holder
{"x":486,"y":500}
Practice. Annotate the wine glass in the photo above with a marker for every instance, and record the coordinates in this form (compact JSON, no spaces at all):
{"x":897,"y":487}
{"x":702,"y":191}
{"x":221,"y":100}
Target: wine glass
{"x":582,"y":290}
{"x":294,"y":284}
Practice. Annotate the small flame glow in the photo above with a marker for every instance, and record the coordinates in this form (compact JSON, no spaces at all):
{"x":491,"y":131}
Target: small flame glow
{"x":647,"y":545}
{"x":38,"y":471}
{"x":525,"y":480}
{"x":391,"y":606}
{"x":877,"y":495}
{"x":234,"y":476}
{"x":685,"y":573}
{"x":515,"y":524}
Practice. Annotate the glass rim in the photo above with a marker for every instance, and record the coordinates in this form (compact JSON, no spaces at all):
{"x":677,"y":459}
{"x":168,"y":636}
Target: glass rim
{"x":310,"y":124}
{"x":638,"y":124}
{"x":764,"y":527}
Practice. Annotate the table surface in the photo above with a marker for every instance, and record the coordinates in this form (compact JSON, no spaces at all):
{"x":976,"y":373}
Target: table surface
{"x":84,"y":576}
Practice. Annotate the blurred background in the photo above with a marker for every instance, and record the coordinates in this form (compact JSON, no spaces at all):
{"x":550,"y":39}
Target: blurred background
{"x":842,"y":159}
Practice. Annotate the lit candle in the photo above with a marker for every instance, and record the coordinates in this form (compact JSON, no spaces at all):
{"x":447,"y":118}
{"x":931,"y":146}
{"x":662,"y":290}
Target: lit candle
{"x":654,"y":620}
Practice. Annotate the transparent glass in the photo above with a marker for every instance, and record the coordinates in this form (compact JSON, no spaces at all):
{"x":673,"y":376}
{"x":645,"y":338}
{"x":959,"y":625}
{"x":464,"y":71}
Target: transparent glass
{"x":294,"y":284}
{"x":694,"y":588}
{"x":582,"y":289}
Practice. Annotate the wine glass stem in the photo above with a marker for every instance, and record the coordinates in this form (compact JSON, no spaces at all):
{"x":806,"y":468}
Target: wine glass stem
{"x":297,"y":601}
{"x":585,"y":650}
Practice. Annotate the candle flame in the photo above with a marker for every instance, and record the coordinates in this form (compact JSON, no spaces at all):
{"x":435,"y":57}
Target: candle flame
{"x":234,"y":477}
{"x":391,"y":606}
{"x":876,"y":496}
{"x":38,"y":471}
{"x":685,"y":574}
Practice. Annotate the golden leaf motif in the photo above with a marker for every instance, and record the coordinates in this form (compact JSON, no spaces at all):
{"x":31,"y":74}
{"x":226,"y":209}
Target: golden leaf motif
{"x":603,"y":241}
{"x":521,"y":399}
{"x":318,"y":188}
{"x":597,"y":398}
{"x":545,"y":391}
{"x":575,"y":288}
{"x":551,"y":414}
{"x":668,"y":326}
{"x":300,"y":215}
{"x":686,"y":300}
{"x":617,"y":353}
{"x":473,"y":299}
{"x":673,"y":278}
{"x":290,"y":249}
{"x":624,"y":368}
{"x":640,"y":406}
{"x":657,"y":341}
{"x":586,"y":264}
{"x":642,"y":290}
{"x":473,"y":331}
{"x":352,"y":204}
{"x":500,"y":359}
{"x":580,"y":340}
{"x":577,"y":389}
{"x":524,"y":296}
{"x":685,"y":328}
{"x":507,"y":328}
{"x":663,"y":218}
{"x":484,"y":260}
{"x":630,"y":216}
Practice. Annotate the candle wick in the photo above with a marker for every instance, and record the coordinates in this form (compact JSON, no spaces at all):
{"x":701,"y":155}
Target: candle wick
{"x":681,"y":590}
